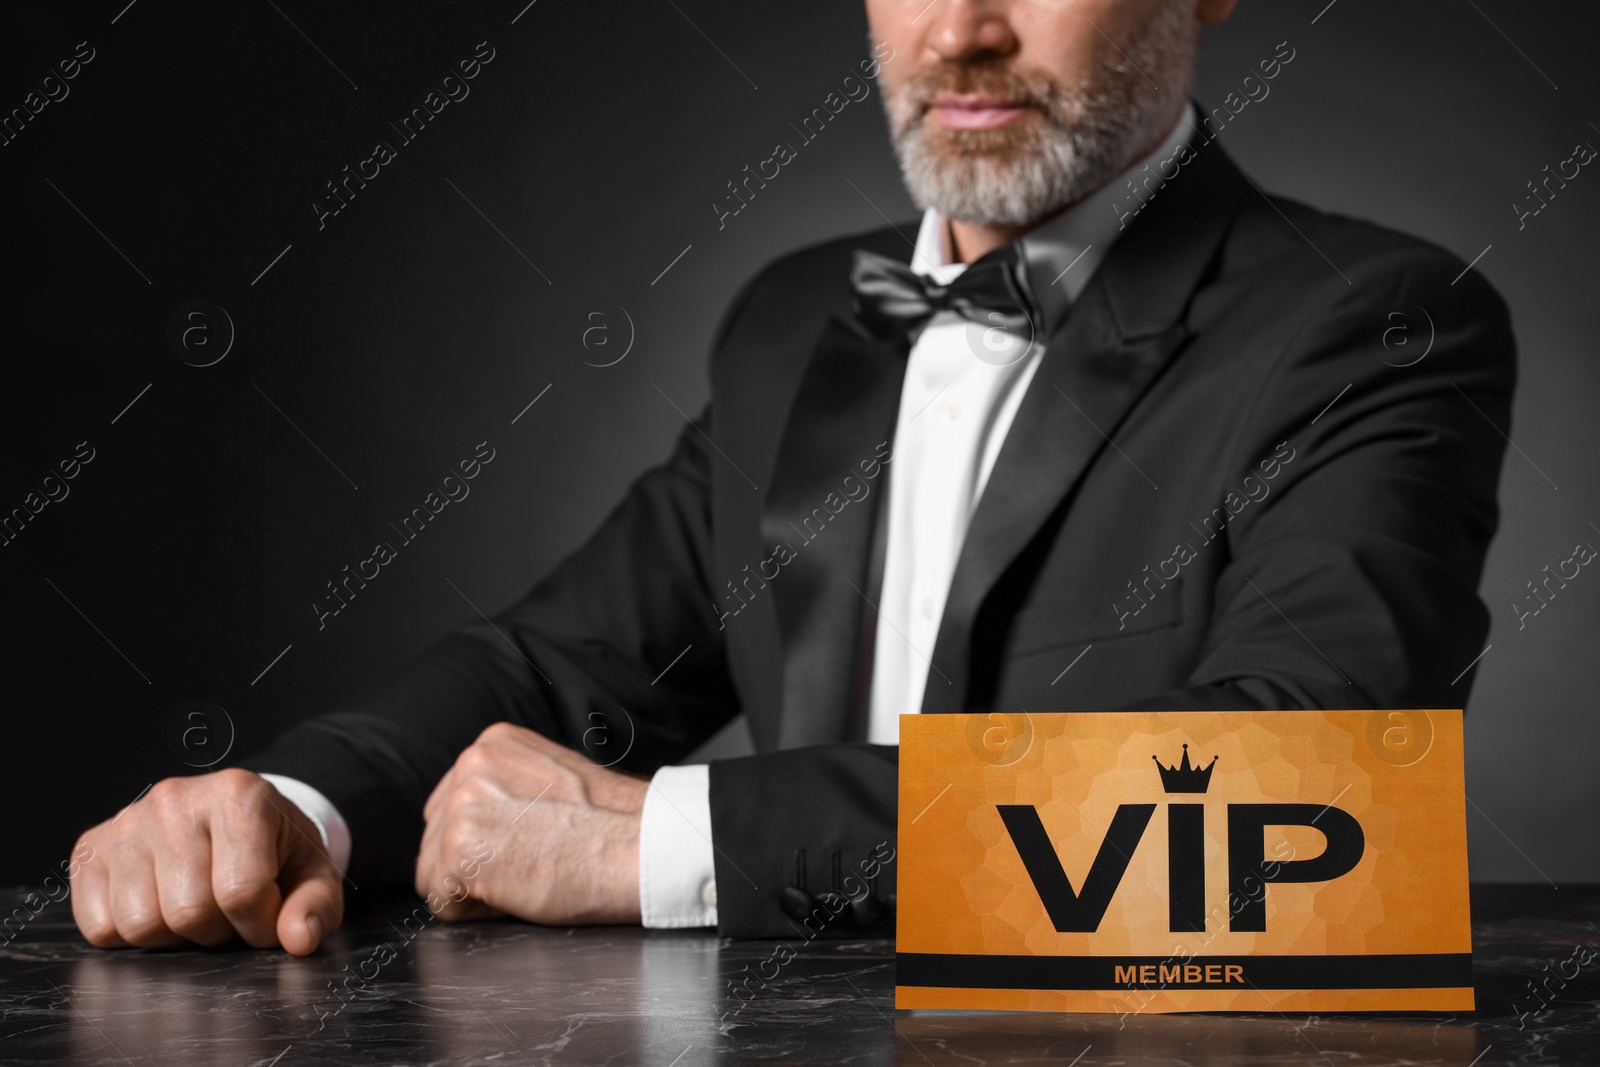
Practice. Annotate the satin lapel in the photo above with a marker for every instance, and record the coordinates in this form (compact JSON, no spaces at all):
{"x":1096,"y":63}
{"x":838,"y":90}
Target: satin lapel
{"x":1086,"y":382}
{"x":1125,"y":328}
{"x":844,"y":409}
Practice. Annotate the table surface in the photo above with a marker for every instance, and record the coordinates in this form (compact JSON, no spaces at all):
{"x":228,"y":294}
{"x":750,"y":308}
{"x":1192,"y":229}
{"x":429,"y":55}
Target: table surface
{"x":510,"y":993}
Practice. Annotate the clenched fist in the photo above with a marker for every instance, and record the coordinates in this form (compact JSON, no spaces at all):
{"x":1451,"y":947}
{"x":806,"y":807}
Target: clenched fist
{"x":205,"y":861}
{"x":523,"y":826}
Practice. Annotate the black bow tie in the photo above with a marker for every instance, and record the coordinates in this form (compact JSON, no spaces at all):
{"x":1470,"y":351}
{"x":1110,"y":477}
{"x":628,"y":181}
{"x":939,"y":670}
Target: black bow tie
{"x":891,"y":300}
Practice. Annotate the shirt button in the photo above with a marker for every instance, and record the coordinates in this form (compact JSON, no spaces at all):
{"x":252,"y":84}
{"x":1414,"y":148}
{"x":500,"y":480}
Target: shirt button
{"x":952,"y":410}
{"x":927,"y":607}
{"x":708,"y":894}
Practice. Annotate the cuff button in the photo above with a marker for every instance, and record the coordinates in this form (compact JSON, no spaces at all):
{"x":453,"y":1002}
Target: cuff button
{"x":796,"y":903}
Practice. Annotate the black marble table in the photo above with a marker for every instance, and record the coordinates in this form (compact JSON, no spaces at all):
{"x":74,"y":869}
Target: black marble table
{"x":510,"y":993}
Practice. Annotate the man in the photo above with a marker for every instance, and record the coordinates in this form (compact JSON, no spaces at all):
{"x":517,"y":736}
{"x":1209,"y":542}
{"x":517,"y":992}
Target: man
{"x":1114,"y":429}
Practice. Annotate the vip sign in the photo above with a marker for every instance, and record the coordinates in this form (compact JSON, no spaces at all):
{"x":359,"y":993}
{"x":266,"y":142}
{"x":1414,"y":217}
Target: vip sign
{"x":1183,"y":861}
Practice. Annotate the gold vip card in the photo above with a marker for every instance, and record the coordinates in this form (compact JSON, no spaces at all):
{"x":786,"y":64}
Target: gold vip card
{"x":1302,"y":861}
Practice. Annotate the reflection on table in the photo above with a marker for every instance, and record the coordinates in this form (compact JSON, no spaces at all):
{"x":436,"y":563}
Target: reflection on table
{"x":390,"y":992}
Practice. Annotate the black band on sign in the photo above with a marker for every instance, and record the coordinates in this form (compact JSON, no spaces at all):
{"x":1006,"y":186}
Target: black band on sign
{"x":1403,"y":971}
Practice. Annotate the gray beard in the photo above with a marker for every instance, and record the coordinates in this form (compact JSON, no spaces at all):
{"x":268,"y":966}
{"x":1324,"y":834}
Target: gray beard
{"x":1033,"y":169}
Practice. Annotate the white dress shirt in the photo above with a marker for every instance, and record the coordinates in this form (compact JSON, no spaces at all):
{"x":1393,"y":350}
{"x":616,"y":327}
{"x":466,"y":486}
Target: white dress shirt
{"x":962,"y":387}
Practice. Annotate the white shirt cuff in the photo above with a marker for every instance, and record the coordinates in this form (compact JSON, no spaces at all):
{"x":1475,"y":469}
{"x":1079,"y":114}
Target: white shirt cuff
{"x":320,"y":810}
{"x":677,"y":866}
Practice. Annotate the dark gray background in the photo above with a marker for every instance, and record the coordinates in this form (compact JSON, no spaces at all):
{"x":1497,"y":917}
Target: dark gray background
{"x":413,"y":327}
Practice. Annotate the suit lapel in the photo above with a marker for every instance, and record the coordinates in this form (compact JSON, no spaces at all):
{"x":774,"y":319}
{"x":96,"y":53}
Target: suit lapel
{"x":1125,"y":328}
{"x":844,"y":409}
{"x":1087,"y":380}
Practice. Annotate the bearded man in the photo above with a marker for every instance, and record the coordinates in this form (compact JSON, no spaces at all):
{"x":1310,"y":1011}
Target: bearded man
{"x":1109,"y":428}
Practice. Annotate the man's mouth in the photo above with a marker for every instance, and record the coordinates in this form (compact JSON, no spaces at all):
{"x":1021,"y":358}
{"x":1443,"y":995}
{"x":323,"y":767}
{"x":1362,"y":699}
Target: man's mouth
{"x":977,"y":112}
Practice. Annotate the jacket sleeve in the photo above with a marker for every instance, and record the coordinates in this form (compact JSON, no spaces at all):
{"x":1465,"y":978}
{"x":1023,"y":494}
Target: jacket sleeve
{"x":805,"y":842}
{"x":1353,"y":584}
{"x":577,"y":659}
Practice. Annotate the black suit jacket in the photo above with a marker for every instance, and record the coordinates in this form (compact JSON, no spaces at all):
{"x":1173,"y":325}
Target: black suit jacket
{"x":1216,"y":479}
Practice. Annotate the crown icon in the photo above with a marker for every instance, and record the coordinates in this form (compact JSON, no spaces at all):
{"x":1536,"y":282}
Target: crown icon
{"x":1185,"y":778}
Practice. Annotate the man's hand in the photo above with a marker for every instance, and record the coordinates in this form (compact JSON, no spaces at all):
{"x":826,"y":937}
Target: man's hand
{"x":204,"y":861}
{"x":523,"y":826}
